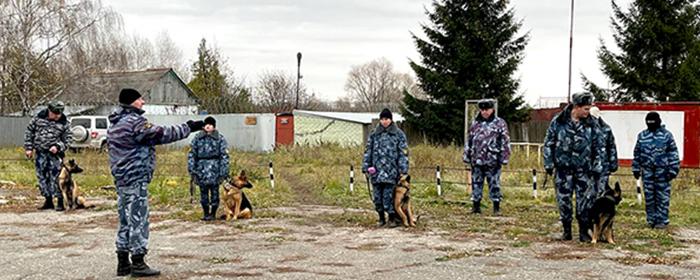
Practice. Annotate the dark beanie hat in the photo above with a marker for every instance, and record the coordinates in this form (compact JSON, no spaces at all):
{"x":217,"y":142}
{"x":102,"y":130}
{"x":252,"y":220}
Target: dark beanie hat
{"x":211,"y":121}
{"x":386,"y":114}
{"x":128,"y":96}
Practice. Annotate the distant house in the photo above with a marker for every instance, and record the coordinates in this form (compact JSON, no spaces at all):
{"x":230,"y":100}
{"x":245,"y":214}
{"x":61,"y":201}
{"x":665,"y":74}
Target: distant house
{"x":344,"y":128}
{"x":165,"y":93}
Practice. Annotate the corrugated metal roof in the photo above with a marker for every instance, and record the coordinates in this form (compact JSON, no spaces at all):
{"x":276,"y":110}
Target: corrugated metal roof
{"x":363,"y":118}
{"x":104,"y":88}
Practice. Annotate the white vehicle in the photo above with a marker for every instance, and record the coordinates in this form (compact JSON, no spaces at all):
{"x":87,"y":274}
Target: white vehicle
{"x":89,"y":132}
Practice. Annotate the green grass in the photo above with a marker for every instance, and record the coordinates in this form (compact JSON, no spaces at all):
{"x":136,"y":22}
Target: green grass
{"x":320,"y":175}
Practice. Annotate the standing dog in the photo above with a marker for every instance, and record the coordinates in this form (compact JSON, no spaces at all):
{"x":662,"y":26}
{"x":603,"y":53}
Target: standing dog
{"x":236,"y":204}
{"x":69,"y":188}
{"x":603,"y":214}
{"x":402,"y":201}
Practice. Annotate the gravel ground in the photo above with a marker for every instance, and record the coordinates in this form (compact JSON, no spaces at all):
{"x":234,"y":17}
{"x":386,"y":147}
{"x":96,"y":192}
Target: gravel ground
{"x":80,"y":245}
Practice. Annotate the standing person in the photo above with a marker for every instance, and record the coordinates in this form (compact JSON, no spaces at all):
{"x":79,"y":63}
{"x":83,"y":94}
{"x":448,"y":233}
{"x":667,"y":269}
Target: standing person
{"x":132,"y":140}
{"x":656,"y":160}
{"x":574,"y":147}
{"x":486,"y":150}
{"x":609,"y":158}
{"x":385,"y":159}
{"x":208,"y":164}
{"x":48,"y":136}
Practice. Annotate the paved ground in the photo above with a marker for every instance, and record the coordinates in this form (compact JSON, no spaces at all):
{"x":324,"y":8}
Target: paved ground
{"x":80,"y":245}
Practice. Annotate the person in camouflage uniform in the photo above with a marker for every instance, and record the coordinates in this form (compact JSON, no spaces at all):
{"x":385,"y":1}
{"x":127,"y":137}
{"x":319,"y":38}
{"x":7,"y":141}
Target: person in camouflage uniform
{"x":385,"y":159}
{"x":610,"y":164}
{"x":48,"y":136}
{"x":656,"y":160}
{"x":486,"y":150}
{"x":132,"y":140}
{"x":574,"y":146}
{"x":208,"y":164}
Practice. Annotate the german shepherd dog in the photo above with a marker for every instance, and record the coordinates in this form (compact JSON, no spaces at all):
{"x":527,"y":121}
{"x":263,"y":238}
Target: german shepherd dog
{"x":402,"y":201}
{"x":603,"y":214}
{"x":236,"y":204}
{"x":69,"y":188}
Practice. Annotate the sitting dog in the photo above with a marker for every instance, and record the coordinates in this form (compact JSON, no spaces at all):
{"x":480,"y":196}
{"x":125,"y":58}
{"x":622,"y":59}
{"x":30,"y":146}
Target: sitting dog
{"x":236,"y":204}
{"x":69,"y":188}
{"x":402,"y":201}
{"x":603,"y":213}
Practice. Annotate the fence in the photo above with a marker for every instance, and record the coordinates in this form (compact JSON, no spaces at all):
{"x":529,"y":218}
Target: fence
{"x":247,"y":132}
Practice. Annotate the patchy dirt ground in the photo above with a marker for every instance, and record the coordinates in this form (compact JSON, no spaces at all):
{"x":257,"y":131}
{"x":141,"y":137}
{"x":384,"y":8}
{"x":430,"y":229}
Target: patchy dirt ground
{"x":301,"y":244}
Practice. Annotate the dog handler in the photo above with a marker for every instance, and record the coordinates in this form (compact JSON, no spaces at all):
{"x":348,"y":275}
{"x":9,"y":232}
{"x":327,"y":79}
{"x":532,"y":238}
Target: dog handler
{"x":574,"y":146}
{"x":208,"y":164}
{"x":609,"y":158}
{"x":486,"y":150}
{"x":132,"y":140}
{"x":385,"y":159}
{"x":48,"y":136}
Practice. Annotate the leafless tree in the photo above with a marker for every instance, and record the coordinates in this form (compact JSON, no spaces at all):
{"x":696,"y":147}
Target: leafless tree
{"x":40,"y":41}
{"x":375,"y":84}
{"x":276,"y":92}
{"x":168,"y":55}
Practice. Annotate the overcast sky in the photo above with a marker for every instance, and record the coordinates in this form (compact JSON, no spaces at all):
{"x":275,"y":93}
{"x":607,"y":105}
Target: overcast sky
{"x":335,"y":35}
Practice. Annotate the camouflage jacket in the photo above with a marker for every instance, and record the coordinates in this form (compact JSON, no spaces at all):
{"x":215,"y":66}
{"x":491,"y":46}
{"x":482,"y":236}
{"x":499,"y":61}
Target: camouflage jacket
{"x":488,"y":143}
{"x":574,"y":146}
{"x":207,"y":160}
{"x":610,"y":157}
{"x":42,"y":134}
{"x":132,"y":140}
{"x":386,"y":151}
{"x":656,"y":150}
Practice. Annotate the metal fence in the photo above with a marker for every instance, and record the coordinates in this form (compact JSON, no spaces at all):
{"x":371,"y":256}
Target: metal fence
{"x":247,"y":132}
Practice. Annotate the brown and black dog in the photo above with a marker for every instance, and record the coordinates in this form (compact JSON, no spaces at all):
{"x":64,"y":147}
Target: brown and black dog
{"x":402,"y":201}
{"x":69,"y":188}
{"x":236,"y":204}
{"x":603,"y":214}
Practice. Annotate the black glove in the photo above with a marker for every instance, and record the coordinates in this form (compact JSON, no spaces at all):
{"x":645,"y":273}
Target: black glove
{"x":550,"y":171}
{"x":637,"y":174}
{"x":195,"y":125}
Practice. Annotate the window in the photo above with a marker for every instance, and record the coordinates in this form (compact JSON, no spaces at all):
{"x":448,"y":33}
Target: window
{"x":80,"y":122}
{"x":101,"y":123}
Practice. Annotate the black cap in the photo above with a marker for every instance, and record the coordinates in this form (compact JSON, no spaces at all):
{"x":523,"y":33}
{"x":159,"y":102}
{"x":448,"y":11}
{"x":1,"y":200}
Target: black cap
{"x":486,"y":103}
{"x":211,"y":121}
{"x":128,"y":96}
{"x":386,"y":114}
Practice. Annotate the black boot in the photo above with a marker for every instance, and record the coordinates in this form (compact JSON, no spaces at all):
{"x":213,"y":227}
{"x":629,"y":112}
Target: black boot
{"x":476,"y":207}
{"x":567,"y":231}
{"x":139,"y":268}
{"x":496,"y":208}
{"x":583,"y":235}
{"x":59,"y":204}
{"x":393,"y":220}
{"x":205,"y":213}
{"x":48,"y":203}
{"x":123,"y":264}
{"x":382,"y":219}
{"x":212,"y":213}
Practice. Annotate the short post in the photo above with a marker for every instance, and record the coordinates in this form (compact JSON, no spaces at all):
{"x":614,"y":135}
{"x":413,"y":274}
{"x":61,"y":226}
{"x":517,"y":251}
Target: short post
{"x":352,"y":179}
{"x":534,"y":183}
{"x":639,"y":191}
{"x":439,"y":184}
{"x":272,"y":176}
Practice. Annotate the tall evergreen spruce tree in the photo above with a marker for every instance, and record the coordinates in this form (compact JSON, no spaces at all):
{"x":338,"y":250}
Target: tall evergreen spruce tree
{"x":660,"y":52}
{"x":471,"y":51}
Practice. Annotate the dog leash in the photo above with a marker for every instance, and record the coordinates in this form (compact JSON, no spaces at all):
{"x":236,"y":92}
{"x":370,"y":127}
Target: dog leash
{"x":369,"y":191}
